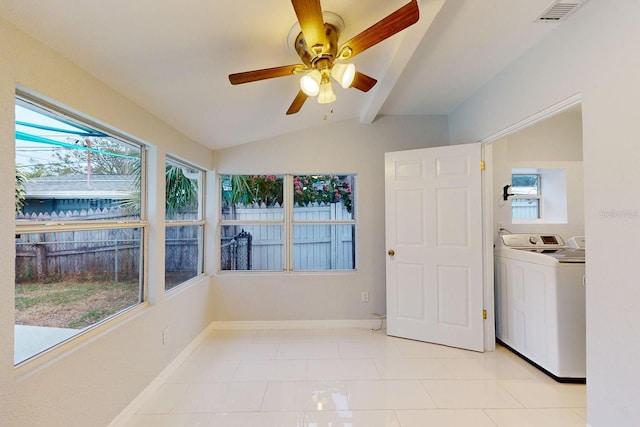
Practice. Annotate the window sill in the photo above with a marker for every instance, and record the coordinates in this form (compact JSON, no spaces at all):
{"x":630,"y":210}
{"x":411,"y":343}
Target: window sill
{"x":28,"y":366}
{"x":255,"y":273}
{"x":536,"y":221}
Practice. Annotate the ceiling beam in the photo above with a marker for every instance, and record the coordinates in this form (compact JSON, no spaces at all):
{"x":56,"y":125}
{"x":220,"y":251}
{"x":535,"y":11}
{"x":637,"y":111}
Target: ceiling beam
{"x":410,"y":40}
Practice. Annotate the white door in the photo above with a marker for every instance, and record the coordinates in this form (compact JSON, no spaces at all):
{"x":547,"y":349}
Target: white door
{"x":434,"y":241}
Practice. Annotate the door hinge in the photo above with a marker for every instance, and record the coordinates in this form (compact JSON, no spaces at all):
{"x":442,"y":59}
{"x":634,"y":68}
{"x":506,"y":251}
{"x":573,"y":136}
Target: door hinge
{"x":484,"y":314}
{"x":482,"y":165}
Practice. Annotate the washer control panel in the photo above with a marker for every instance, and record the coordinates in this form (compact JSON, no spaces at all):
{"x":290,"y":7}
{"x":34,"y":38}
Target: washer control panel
{"x":531,"y":240}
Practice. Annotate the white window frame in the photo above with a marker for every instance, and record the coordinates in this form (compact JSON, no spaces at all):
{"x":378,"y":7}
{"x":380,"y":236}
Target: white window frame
{"x":200,"y":221}
{"x":288,"y":222}
{"x":537,"y":196}
{"x":552,"y":197}
{"x":30,"y":226}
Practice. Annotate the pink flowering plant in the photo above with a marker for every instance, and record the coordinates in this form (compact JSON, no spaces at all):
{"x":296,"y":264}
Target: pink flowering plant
{"x":268,"y":190}
{"x":322,"y":189}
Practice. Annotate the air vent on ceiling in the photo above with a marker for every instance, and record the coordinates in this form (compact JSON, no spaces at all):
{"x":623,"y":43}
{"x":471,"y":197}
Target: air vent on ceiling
{"x":560,"y":10}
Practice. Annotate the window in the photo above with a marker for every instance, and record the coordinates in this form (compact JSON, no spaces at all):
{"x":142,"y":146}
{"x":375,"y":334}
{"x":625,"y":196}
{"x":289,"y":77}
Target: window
{"x":540,"y":196}
{"x":287,"y":222}
{"x":184,"y":223}
{"x":526,"y":202}
{"x":79,"y":226}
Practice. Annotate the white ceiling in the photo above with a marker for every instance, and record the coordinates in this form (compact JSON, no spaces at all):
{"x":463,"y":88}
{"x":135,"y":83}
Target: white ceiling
{"x":173,"y":58}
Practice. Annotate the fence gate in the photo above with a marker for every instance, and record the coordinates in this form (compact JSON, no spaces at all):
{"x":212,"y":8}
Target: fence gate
{"x":236,"y":252}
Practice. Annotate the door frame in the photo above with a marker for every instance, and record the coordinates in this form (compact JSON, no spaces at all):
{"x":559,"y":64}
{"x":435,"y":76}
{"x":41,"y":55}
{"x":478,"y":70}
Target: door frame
{"x":488,"y":203}
{"x":486,"y":186}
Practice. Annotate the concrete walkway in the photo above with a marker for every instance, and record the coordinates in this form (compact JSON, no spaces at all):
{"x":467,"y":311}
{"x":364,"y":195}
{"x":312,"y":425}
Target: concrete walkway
{"x":31,"y":340}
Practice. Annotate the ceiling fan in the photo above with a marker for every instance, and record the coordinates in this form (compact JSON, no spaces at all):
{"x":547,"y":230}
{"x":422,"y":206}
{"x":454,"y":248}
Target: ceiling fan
{"x":317,"y":46}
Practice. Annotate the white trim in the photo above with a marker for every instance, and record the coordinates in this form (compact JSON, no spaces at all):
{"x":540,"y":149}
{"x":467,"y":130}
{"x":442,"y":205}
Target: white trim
{"x":487,"y":248}
{"x":27,"y":226}
{"x":290,"y":324}
{"x":125,"y":416}
{"x":37,"y":362}
{"x":535,"y":118}
{"x":487,"y":190}
{"x":288,"y":222}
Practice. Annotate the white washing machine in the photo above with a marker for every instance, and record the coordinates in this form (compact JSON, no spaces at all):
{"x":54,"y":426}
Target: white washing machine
{"x":540,"y":301}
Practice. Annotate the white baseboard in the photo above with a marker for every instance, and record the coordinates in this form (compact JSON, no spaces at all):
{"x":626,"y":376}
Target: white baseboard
{"x":136,"y":403}
{"x":294,"y":324}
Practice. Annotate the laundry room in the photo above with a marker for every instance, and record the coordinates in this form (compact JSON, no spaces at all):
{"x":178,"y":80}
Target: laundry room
{"x":550,"y":151}
{"x":540,"y":246}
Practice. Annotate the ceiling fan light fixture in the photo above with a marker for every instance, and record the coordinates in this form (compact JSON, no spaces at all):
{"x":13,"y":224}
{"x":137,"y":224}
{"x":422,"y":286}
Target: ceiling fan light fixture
{"x":326,"y":95}
{"x":344,"y":74}
{"x":310,"y":83}
{"x":315,"y":39}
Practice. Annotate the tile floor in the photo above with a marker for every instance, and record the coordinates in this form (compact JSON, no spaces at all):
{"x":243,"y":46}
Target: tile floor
{"x":354,"y":378}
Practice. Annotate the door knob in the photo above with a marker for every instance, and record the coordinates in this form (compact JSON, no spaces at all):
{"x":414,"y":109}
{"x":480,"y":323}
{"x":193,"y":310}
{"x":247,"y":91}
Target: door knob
{"x":391,"y":252}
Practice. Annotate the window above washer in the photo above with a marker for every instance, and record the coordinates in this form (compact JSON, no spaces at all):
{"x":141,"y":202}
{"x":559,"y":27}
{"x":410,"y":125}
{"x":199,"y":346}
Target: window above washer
{"x":539,"y":196}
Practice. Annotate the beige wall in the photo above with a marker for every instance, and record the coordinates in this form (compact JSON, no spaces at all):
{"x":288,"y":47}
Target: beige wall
{"x":593,"y":54}
{"x":89,"y":381}
{"x":344,"y":147}
{"x":555,"y":143}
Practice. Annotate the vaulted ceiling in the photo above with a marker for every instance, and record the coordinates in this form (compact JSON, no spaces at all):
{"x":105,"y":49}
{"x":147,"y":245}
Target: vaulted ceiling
{"x":173,"y":58}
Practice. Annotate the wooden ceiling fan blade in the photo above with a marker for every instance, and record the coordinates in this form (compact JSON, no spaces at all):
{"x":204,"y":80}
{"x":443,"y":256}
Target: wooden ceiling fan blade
{"x":309,"y":14}
{"x":297,"y":103}
{"x":402,"y":18}
{"x":266,"y":73}
{"x":363,"y":82}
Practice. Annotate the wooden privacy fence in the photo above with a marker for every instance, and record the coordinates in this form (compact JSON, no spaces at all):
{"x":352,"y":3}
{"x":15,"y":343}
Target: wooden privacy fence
{"x":315,"y":246}
{"x":117,"y":251}
{"x":84,"y":252}
{"x":114,"y":252}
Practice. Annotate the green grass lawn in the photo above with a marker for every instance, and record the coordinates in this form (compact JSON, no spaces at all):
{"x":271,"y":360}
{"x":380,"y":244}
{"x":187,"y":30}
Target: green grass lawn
{"x":72,"y":303}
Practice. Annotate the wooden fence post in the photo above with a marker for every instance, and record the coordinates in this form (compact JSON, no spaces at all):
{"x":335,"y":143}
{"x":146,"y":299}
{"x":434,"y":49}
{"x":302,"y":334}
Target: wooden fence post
{"x":41,"y":256}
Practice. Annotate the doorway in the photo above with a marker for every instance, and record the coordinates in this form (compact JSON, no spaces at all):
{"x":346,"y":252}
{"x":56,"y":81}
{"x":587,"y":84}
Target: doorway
{"x":552,"y":139}
{"x":540,"y":165}
{"x":551,"y":147}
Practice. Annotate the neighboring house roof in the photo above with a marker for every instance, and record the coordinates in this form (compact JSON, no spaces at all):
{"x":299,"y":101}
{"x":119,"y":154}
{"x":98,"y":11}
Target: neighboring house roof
{"x":80,"y":187}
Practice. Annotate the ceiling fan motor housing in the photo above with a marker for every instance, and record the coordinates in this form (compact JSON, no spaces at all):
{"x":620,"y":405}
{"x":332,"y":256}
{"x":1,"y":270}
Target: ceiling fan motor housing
{"x":315,"y":58}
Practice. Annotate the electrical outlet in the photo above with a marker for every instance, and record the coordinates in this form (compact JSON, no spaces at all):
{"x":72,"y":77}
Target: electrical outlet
{"x":365,"y":296}
{"x":165,"y":335}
